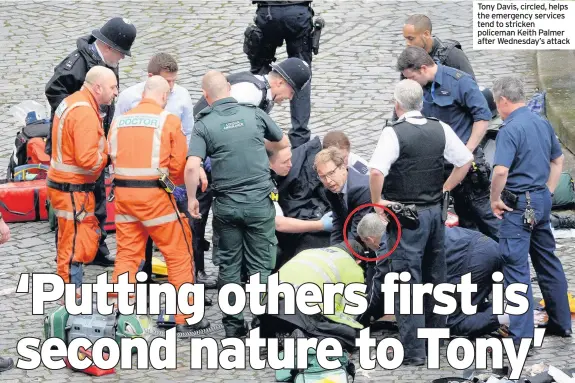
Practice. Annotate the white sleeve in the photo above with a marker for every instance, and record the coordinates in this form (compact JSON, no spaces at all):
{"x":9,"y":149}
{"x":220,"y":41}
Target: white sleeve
{"x":122,"y":105}
{"x":279,"y":212}
{"x":246,"y":93}
{"x":455,"y":151}
{"x":386,"y":152}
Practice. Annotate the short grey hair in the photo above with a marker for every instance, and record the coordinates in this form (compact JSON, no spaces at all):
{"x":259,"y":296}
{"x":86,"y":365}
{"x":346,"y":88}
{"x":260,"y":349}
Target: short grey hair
{"x":510,"y":87}
{"x":371,"y":225}
{"x":409,"y":95}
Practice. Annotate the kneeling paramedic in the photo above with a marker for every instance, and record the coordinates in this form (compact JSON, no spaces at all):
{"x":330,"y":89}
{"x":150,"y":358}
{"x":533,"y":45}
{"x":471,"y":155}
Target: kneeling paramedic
{"x":78,"y":158}
{"x":409,"y":157}
{"x":148,"y":152}
{"x":334,"y":264}
{"x":232,"y":135}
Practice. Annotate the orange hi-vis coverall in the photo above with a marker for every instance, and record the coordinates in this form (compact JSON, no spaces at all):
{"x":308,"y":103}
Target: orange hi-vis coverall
{"x":79,"y":155}
{"x":143,"y":142}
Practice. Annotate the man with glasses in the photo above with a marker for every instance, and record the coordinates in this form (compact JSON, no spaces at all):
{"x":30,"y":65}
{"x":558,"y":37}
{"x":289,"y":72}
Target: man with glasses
{"x":347,"y":189}
{"x":454,"y":98}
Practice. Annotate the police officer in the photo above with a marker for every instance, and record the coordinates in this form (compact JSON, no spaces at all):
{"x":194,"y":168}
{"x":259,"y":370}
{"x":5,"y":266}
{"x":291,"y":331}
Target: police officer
{"x":106,"y":47}
{"x":407,"y":165}
{"x":244,"y":215}
{"x":454,"y":98}
{"x":417,"y":32}
{"x":268,"y":89}
{"x":466,"y":251}
{"x":528,"y":163}
{"x":263,"y":91}
{"x":276,"y":21}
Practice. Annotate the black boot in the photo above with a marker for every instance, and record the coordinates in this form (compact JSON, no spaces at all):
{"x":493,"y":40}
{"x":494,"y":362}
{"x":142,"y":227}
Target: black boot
{"x":6,"y":364}
{"x":204,"y":323}
{"x":563,"y":221}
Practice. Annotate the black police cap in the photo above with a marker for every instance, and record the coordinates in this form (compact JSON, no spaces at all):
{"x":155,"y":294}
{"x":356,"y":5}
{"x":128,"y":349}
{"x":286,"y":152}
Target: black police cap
{"x":118,"y":33}
{"x":295,"y":71}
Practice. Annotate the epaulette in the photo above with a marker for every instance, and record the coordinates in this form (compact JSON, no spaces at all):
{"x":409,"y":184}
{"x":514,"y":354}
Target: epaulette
{"x":71,"y":60}
{"x":457,"y":74}
{"x":432,"y":118}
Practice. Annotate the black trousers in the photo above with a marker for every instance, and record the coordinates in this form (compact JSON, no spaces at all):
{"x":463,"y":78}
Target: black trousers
{"x":294,"y":24}
{"x":472,"y":205}
{"x":289,"y":245}
{"x":420,"y":252}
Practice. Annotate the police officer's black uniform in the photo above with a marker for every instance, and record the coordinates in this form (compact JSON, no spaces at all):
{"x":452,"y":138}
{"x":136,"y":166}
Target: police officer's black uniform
{"x":276,"y":21}
{"x":416,"y":177}
{"x":69,"y":77}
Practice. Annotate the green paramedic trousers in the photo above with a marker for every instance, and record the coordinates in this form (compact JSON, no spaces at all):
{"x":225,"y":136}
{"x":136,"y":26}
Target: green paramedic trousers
{"x":246,"y":241}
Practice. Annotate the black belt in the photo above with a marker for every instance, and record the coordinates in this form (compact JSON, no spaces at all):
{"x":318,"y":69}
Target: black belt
{"x":70,"y":187}
{"x":137,"y":183}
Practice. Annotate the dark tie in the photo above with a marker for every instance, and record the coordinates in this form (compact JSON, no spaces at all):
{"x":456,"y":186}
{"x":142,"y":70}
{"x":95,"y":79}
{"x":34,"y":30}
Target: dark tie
{"x":341,"y":197}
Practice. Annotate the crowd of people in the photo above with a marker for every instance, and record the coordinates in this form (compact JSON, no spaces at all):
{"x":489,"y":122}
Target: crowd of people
{"x":281,"y":202}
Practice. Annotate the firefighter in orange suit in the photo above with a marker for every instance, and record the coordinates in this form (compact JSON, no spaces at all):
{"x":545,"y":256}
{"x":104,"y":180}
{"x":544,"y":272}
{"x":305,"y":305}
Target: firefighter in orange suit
{"x":146,"y":143}
{"x":79,"y":155}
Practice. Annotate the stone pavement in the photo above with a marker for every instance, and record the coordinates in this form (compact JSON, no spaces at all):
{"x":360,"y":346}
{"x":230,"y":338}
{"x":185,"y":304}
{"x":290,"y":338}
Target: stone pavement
{"x":352,"y":90}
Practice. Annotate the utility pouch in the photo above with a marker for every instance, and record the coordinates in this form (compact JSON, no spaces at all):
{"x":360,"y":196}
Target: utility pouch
{"x":253,"y":38}
{"x":509,"y":199}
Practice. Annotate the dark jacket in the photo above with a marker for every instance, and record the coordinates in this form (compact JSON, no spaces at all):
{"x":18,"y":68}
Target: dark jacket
{"x":301,"y":193}
{"x":449,"y":53}
{"x":357,"y":194}
{"x":69,"y":77}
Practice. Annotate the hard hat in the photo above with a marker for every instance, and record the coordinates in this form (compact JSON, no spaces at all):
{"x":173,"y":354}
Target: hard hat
{"x":295,"y":71}
{"x":118,"y":33}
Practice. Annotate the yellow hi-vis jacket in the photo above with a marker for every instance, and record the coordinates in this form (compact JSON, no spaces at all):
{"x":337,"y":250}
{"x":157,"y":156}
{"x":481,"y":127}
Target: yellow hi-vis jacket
{"x":325,"y":265}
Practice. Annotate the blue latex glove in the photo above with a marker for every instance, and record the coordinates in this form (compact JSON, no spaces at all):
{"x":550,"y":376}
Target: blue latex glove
{"x":208,"y":164}
{"x":179,"y":194}
{"x":327,"y":221}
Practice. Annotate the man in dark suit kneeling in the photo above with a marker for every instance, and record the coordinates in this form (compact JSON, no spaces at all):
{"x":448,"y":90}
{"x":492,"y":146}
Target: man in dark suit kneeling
{"x":347,"y":189}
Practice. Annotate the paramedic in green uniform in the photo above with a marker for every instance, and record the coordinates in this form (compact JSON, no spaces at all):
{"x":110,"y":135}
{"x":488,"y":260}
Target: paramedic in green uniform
{"x":232,"y":135}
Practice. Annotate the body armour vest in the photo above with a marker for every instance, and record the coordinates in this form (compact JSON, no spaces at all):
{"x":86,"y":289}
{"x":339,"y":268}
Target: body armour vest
{"x":416,"y":177}
{"x":236,"y":78}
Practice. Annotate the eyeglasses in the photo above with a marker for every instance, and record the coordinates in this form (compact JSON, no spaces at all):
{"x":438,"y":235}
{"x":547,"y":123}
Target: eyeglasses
{"x":328,"y":175}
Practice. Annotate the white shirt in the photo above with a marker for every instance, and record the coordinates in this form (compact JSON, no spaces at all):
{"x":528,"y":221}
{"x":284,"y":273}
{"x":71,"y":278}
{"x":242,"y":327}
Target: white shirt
{"x":179,"y":103}
{"x":248,"y":93}
{"x":279,"y":211}
{"x":387,"y":149}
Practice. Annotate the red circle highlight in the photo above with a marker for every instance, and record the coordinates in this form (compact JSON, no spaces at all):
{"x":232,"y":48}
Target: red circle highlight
{"x":361,"y":256}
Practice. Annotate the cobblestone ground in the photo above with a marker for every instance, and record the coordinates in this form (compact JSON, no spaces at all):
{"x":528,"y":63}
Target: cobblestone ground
{"x":352,"y":90}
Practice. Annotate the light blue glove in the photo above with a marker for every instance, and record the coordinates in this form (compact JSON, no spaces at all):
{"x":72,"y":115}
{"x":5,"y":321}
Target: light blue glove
{"x":327,"y":221}
{"x":179,"y":194}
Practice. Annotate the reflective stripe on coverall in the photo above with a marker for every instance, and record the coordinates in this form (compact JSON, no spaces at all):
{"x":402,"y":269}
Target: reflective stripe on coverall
{"x":79,"y":155}
{"x":143,"y":140}
{"x":325,"y":265}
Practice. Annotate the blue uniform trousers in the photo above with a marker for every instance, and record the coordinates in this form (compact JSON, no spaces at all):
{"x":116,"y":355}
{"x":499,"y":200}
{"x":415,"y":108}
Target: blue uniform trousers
{"x":421,"y":253}
{"x":516,"y":242}
{"x":481,"y":269}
